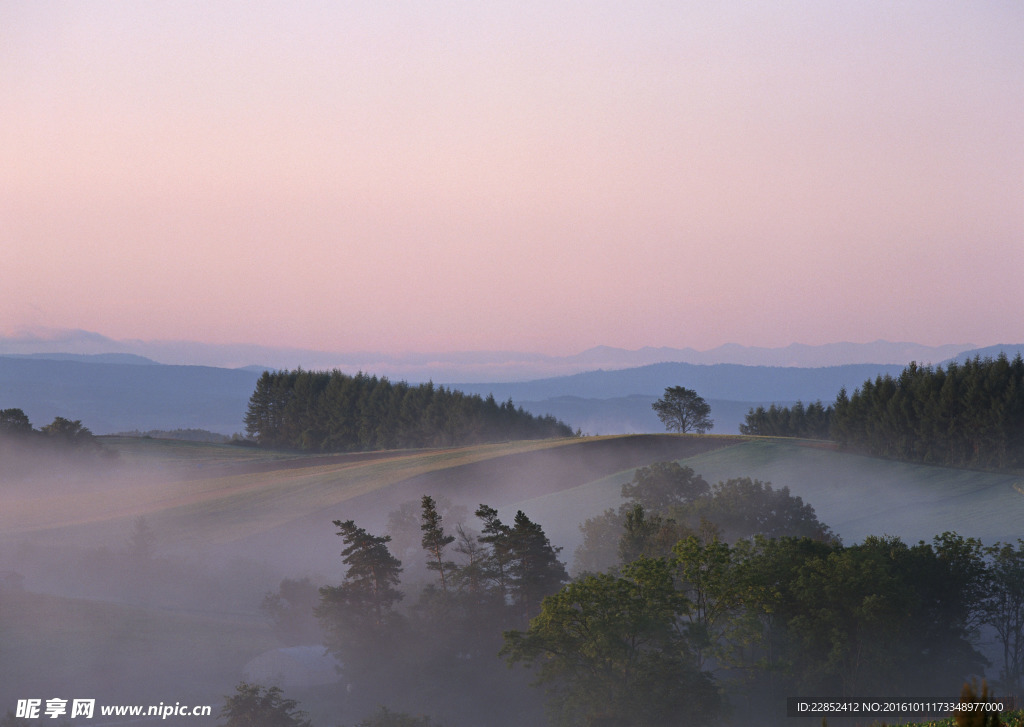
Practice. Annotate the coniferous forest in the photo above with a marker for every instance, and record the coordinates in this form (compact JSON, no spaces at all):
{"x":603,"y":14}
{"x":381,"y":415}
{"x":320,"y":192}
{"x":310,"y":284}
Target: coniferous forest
{"x":967,"y":414}
{"x":813,"y":421}
{"x":319,"y":411}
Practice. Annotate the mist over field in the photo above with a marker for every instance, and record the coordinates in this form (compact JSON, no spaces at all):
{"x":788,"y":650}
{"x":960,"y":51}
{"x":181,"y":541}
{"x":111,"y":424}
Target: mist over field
{"x":141,"y":575}
{"x":174,"y":566}
{"x":155,"y":562}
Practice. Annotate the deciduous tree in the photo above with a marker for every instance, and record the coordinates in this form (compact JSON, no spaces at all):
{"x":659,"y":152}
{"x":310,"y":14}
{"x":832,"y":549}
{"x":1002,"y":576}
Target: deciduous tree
{"x":70,"y":432}
{"x":663,"y":485}
{"x":608,"y":650}
{"x":743,"y":507}
{"x":683,"y":410}
{"x":14,"y":421}
{"x":1004,"y":608}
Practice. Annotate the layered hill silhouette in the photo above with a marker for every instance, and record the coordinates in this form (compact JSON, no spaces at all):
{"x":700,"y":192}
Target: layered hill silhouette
{"x":125,"y":392}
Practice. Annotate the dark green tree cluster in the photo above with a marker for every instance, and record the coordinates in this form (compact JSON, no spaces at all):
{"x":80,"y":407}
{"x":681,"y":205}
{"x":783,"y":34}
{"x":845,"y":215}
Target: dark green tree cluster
{"x":696,"y":618}
{"x":879,"y":615}
{"x":511,"y":567}
{"x":253,"y":705}
{"x":609,"y":649}
{"x":26,"y":452}
{"x":969,"y":414}
{"x":771,"y":617}
{"x":15,"y":424}
{"x":447,"y":640}
{"x":742,"y":507}
{"x":1004,"y":609}
{"x":322,"y":411}
{"x":666,"y":502}
{"x":772,"y":613}
{"x":813,"y":421}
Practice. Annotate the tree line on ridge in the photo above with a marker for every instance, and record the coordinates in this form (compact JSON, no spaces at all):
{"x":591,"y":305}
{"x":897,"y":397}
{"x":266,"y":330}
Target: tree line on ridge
{"x":963,"y":414}
{"x":321,"y":411}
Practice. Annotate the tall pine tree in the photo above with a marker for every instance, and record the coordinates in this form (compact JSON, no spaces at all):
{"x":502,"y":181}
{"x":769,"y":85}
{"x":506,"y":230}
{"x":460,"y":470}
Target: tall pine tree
{"x":435,"y":541}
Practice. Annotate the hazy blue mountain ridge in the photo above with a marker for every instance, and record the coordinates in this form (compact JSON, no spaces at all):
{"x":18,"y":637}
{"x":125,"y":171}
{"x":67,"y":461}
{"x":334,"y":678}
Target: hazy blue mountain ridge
{"x":1010,"y":349}
{"x":114,"y":392}
{"x":113,"y":397}
{"x":470,"y":366}
{"x":731,"y":382}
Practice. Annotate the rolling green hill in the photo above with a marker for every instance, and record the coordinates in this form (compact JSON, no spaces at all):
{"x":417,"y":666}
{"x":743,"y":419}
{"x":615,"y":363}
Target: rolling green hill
{"x":213,"y":494}
{"x":854,"y":494}
{"x":858,"y":495}
{"x":279,"y":506}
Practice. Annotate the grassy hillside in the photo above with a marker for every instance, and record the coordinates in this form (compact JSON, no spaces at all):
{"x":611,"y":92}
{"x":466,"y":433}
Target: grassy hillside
{"x":858,"y":495}
{"x":200,"y":493}
{"x":855,"y":495}
{"x":227,"y":501}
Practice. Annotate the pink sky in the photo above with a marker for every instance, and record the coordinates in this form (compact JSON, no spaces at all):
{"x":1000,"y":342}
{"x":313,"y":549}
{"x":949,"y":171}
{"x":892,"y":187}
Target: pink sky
{"x":523,"y":176}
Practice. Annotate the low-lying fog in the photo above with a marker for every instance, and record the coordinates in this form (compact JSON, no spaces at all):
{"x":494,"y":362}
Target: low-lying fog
{"x":120,"y":582}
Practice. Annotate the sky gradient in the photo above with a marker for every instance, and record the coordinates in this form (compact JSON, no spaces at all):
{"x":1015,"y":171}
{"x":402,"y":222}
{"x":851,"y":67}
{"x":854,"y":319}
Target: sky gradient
{"x":536,"y":176}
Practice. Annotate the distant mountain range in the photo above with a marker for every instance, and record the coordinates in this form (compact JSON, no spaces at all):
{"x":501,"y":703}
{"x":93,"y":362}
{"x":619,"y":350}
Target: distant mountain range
{"x":615,"y":402}
{"x":115,"y":397}
{"x":471,"y":366}
{"x":123,"y":391}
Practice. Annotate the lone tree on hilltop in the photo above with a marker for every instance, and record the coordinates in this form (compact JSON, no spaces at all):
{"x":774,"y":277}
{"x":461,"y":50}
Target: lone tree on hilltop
{"x":683,"y":410}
